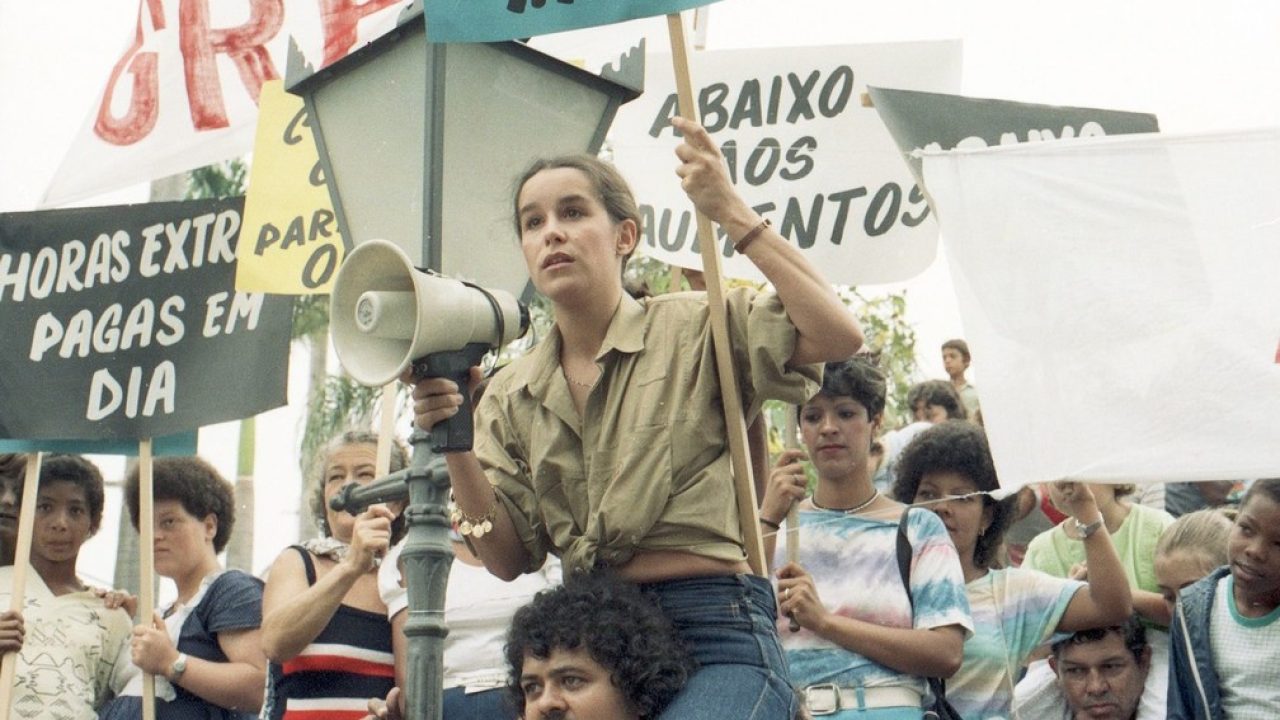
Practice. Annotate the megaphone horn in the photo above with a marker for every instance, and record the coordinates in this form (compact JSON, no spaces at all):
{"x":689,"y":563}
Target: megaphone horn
{"x":385,"y":314}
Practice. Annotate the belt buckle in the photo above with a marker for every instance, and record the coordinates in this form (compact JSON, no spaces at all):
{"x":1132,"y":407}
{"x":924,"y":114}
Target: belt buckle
{"x":822,"y":699}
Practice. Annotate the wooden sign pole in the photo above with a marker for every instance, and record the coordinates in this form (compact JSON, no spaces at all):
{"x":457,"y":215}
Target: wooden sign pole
{"x":386,"y":429}
{"x":21,"y":565}
{"x":146,"y":562}
{"x":735,"y":423}
{"x":793,"y":512}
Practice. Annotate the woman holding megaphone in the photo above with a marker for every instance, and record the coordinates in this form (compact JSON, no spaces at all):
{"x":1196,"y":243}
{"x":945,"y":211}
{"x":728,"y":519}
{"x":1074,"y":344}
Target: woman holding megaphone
{"x":606,"y":444}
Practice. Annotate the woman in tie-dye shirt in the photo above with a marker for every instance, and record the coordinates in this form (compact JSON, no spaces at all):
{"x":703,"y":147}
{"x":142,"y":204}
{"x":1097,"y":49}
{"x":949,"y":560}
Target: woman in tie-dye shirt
{"x":861,"y":650}
{"x":949,"y":469}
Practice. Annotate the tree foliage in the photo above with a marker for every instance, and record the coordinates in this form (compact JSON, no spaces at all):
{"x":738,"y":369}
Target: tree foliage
{"x":221,"y":180}
{"x":893,"y":340}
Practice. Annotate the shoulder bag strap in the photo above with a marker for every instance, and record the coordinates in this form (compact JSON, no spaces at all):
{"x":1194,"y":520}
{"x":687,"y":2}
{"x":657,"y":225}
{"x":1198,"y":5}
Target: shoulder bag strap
{"x":936,"y":685}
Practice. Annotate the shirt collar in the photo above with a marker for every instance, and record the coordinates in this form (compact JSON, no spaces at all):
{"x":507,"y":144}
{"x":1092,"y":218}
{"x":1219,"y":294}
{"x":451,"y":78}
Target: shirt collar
{"x":626,"y":329}
{"x":625,"y":334}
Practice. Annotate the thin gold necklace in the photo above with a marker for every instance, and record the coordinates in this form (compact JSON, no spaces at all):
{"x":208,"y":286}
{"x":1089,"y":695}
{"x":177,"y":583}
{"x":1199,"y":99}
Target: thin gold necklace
{"x":571,"y":381}
{"x":849,"y":510}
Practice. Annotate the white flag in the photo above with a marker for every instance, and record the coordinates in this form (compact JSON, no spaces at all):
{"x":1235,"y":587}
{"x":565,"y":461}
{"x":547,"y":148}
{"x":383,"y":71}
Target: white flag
{"x":1124,"y":296}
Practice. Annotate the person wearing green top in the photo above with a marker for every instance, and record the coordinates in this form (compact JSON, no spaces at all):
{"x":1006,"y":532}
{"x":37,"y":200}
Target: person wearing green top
{"x":1135,"y":530}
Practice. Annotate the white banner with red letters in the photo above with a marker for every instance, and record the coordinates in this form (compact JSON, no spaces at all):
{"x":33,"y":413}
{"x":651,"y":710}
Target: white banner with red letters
{"x":184,"y":91}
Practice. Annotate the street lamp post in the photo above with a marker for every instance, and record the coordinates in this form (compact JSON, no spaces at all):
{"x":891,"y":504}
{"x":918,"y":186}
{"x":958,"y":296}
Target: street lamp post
{"x":415,"y":139}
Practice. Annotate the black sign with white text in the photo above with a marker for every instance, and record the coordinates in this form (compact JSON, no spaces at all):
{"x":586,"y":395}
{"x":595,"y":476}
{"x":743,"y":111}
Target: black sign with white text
{"x":936,"y":121}
{"x":123,"y":322}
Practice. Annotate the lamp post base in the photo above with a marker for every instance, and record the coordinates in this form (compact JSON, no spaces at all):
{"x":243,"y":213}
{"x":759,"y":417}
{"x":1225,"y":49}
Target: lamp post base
{"x":427,"y":559}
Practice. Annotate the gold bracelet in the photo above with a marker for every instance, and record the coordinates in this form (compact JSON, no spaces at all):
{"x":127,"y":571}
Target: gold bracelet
{"x":474,"y":526}
{"x":741,"y":246}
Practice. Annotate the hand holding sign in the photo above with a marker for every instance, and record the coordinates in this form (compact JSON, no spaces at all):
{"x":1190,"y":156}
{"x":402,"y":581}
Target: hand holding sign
{"x":705,"y":178}
{"x":799,"y":148}
{"x":788,"y":485}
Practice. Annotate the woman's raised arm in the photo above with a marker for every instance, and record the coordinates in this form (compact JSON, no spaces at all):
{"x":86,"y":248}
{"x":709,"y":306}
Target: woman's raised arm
{"x":827,"y":330}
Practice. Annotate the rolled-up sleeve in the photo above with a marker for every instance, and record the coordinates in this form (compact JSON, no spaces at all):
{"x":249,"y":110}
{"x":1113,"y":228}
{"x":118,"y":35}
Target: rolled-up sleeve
{"x":763,"y":339}
{"x":498,"y":449}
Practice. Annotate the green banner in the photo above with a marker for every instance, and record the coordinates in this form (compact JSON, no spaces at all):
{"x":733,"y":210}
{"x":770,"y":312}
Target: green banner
{"x":492,"y":20}
{"x":936,"y":121}
{"x":179,"y":444}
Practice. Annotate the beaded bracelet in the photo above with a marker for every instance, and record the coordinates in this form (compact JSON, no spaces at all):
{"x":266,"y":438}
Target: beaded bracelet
{"x":474,"y":526}
{"x":741,"y":246}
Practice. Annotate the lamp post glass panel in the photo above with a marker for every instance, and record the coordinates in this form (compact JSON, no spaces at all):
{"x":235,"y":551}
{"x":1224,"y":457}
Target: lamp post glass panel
{"x":414,"y":140}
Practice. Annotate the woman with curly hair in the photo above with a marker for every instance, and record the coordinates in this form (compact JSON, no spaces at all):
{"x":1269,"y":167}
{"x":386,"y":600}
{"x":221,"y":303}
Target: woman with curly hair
{"x":593,"y":649}
{"x":948,"y":468}
{"x":205,"y":649}
{"x":323,"y":620}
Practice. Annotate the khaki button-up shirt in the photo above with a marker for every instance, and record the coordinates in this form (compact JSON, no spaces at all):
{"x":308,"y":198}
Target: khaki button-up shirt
{"x":647,"y":466}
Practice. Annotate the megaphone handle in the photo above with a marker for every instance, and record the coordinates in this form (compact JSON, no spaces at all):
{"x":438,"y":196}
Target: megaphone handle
{"x":456,"y":433}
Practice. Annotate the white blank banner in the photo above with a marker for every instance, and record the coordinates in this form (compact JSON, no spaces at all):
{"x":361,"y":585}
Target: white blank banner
{"x":1123,"y":295}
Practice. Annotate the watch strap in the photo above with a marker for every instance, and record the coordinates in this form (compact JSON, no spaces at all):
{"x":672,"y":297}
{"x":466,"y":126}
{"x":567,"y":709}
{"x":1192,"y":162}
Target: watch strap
{"x":1083,"y":531}
{"x":177,"y":669}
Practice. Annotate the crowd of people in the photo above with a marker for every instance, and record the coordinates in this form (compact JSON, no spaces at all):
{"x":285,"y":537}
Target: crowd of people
{"x":600,"y":570}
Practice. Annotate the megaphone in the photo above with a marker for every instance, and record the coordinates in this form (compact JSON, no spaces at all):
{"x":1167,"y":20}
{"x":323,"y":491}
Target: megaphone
{"x":386,"y":315}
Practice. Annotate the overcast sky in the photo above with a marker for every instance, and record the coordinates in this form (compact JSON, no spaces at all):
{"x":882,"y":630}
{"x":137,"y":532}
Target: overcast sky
{"x":1198,"y":65}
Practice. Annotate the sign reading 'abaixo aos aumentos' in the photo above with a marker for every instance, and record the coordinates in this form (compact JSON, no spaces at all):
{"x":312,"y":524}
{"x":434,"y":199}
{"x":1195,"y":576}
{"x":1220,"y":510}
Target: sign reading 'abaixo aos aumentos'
{"x":123,"y":322}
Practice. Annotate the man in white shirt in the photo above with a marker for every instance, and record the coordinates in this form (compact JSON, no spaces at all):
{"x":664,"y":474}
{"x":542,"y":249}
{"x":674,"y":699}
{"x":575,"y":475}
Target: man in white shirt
{"x":1102,"y":672}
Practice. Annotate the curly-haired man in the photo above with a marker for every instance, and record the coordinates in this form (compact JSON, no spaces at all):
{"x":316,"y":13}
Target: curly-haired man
{"x":593,"y":649}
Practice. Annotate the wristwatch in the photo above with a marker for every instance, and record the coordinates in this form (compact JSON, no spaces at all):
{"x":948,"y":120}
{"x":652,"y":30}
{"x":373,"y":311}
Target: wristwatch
{"x":1084,"y":531}
{"x":178,"y":667}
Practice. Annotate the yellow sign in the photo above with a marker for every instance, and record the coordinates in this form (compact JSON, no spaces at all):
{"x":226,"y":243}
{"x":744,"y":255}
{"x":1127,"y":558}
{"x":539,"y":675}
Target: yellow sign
{"x":289,"y":241}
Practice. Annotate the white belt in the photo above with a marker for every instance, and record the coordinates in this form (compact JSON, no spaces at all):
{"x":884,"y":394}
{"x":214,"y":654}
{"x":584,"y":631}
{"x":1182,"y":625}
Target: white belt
{"x":476,"y":681}
{"x":828,"y":698}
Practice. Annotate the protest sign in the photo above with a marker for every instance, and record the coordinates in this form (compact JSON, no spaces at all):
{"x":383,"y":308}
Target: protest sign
{"x":292,"y":244}
{"x":184,"y":91}
{"x":800,"y":148}
{"x":933,"y":121}
{"x":180,"y":444}
{"x":123,"y":323}
{"x":490,"y":20}
{"x":1122,"y":293}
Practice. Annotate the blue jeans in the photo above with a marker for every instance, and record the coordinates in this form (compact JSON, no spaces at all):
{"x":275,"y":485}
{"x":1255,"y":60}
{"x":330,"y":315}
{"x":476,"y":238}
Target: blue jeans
{"x":728,"y":625}
{"x":487,"y":705}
